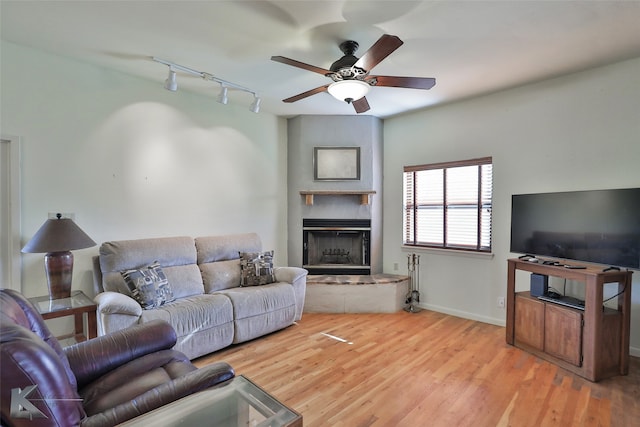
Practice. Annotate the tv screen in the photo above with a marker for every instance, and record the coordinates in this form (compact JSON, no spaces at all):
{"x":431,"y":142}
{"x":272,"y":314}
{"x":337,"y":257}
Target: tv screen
{"x":598,"y":226}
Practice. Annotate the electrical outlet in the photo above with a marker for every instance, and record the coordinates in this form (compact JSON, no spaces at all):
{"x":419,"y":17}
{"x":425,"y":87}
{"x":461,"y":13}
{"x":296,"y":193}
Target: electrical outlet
{"x":395,"y":266}
{"x":501,"y":302}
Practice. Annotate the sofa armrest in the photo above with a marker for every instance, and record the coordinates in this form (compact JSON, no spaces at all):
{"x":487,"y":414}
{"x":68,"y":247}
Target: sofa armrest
{"x":117,"y":303}
{"x":289,"y":274}
{"x":190,"y":383}
{"x":116,"y":311}
{"x":298,"y":278}
{"x":92,"y":359}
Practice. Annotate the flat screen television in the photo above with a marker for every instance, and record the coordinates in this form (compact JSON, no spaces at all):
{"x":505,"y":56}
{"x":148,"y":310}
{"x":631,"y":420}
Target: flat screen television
{"x":597,"y":226}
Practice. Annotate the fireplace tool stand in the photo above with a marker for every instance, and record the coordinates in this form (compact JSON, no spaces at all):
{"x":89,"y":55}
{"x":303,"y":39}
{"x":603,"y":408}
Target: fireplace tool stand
{"x":413,"y":296}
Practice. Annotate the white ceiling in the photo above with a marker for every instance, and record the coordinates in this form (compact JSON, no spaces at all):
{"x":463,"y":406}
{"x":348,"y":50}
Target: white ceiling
{"x":470,"y":47}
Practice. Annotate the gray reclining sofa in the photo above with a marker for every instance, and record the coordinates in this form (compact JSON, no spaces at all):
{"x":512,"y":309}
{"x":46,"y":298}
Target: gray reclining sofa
{"x":206,"y":304}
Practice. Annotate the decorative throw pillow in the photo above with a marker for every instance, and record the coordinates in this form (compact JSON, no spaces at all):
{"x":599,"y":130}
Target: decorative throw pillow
{"x":256,"y":268}
{"x":149,"y":286}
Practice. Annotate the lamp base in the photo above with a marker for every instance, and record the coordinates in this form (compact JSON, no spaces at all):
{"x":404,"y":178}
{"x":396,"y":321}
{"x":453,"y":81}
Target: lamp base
{"x":59,"y":269}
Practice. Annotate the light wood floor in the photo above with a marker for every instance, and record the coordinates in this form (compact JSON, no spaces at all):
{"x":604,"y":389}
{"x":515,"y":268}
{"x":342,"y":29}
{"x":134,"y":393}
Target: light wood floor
{"x":423,"y":369}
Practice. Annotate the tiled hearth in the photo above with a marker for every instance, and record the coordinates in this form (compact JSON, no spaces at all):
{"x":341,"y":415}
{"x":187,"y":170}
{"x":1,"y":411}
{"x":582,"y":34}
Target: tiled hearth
{"x":378,"y":293}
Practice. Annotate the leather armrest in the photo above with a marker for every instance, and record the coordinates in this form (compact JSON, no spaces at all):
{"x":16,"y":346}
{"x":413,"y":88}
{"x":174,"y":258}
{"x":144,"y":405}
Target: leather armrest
{"x":289,"y":274}
{"x":185,"y":385}
{"x":91,"y":359}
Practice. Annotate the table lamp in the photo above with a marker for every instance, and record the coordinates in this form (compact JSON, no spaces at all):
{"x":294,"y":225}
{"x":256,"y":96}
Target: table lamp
{"x":57,"y":238}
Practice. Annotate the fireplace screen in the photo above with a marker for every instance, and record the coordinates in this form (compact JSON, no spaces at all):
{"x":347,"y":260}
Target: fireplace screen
{"x":336,"y":246}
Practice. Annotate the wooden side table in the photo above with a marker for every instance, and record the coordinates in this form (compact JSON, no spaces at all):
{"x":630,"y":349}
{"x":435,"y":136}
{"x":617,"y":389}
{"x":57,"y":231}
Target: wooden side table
{"x":77,"y":305}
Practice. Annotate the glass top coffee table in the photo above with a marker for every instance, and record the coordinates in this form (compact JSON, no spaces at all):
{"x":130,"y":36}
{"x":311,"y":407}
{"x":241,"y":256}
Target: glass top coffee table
{"x":234,"y":403}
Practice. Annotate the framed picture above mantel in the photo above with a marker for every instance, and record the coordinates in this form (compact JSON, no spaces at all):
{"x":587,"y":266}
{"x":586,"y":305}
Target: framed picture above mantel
{"x":336,"y":163}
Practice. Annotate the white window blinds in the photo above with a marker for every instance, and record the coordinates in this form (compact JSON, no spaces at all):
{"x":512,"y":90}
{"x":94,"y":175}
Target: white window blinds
{"x":448,"y":205}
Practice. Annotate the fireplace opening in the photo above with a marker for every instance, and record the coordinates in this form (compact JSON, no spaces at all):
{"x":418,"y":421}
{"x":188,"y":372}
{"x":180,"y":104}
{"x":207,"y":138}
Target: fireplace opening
{"x":336,"y":246}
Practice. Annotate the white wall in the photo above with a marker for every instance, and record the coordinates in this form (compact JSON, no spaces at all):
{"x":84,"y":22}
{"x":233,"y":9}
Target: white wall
{"x":133,"y":160}
{"x":577,"y":132}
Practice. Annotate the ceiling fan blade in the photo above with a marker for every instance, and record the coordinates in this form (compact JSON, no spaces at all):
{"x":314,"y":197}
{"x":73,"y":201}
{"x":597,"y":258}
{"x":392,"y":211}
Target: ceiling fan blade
{"x":408,"y":82}
{"x":380,"y":50}
{"x":299,"y":64}
{"x":303,"y":95}
{"x":361,"y":105}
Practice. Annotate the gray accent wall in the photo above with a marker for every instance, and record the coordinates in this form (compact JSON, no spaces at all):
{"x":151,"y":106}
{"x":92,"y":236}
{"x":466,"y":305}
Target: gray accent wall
{"x":307,"y":132}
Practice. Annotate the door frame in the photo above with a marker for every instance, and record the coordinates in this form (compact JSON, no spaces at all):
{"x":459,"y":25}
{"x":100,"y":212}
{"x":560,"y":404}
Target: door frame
{"x":10,"y":170}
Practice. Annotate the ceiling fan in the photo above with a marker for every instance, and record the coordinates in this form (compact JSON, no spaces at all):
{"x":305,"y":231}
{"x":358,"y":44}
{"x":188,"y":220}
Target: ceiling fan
{"x":350,"y":75}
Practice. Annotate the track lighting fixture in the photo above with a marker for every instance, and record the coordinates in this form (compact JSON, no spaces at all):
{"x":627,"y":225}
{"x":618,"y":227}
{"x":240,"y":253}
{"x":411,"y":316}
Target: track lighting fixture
{"x":170,"y":83}
{"x":255,"y":106}
{"x":223,"y":98}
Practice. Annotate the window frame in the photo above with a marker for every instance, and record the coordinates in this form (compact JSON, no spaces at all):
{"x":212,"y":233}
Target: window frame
{"x":411,"y":207}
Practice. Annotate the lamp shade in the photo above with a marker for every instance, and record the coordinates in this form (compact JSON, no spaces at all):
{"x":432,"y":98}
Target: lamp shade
{"x":348,"y":90}
{"x":58,"y":235}
{"x":57,"y":238}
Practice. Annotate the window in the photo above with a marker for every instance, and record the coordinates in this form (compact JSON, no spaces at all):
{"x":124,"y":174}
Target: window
{"x":448,"y":205}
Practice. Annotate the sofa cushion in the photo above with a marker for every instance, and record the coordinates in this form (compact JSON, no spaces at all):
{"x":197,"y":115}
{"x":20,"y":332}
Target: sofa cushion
{"x":149,"y":286}
{"x":191,"y":314}
{"x":220,"y":275}
{"x":261,"y":310}
{"x":223,"y":248}
{"x":203,"y":323}
{"x":177,"y":255}
{"x":253,"y":301}
{"x":150,"y":371}
{"x":219,"y":258}
{"x":256,"y":268}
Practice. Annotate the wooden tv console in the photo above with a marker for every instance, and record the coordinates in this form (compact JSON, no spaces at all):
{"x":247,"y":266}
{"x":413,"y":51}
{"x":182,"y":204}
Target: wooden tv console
{"x":593,"y":343}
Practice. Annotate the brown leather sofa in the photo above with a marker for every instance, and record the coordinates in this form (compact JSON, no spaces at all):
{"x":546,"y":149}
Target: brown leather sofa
{"x":100,"y":382}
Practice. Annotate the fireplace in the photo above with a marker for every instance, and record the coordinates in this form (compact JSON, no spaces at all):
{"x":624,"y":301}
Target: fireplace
{"x":336,"y":246}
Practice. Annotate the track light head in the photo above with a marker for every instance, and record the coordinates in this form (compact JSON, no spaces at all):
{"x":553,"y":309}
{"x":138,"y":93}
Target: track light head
{"x":222,"y":97}
{"x":255,"y":106}
{"x":171,"y":83}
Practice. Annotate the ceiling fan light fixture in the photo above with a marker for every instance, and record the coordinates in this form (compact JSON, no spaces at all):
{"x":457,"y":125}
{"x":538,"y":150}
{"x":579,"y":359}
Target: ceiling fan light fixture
{"x":348,"y":90}
{"x":171,"y":83}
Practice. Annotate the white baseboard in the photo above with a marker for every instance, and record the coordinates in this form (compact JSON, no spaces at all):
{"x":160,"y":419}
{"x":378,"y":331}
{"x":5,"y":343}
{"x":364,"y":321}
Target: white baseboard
{"x":463,"y":314}
{"x":633,"y":351}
